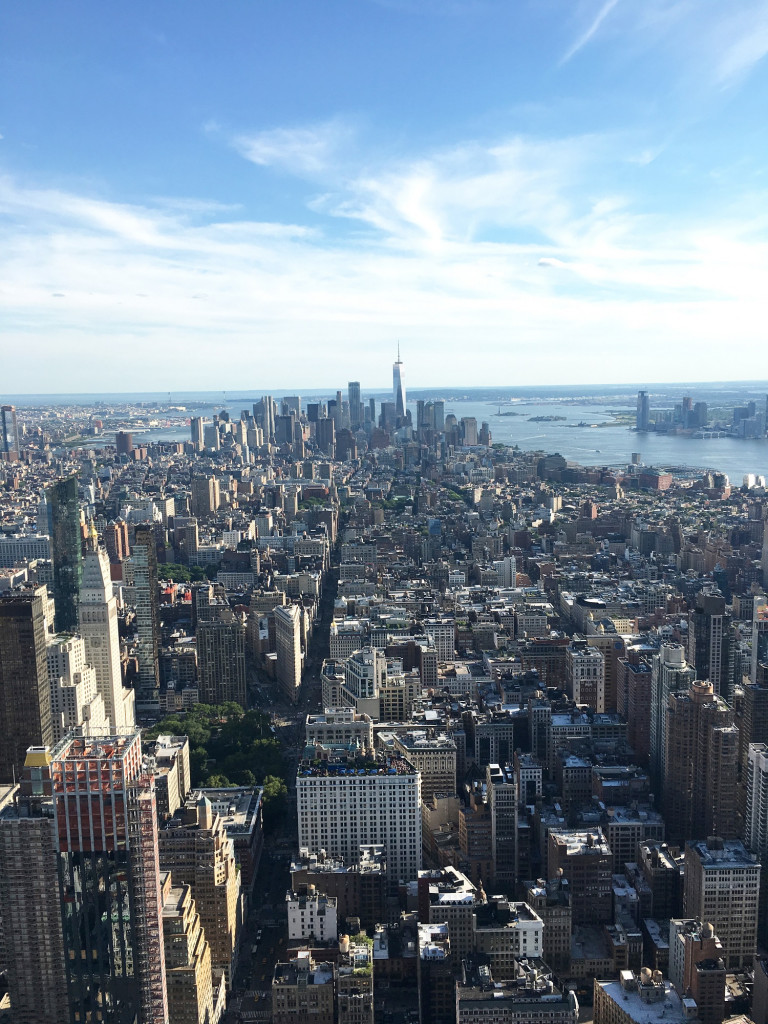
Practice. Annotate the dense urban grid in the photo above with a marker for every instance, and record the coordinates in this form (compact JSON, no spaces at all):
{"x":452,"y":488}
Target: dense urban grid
{"x":340,"y":712}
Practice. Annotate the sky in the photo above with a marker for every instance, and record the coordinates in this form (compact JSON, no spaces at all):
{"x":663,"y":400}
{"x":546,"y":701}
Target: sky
{"x":275,"y":193}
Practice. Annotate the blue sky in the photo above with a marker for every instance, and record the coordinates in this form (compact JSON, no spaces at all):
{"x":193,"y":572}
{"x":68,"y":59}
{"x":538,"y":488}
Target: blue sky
{"x":274,"y":192}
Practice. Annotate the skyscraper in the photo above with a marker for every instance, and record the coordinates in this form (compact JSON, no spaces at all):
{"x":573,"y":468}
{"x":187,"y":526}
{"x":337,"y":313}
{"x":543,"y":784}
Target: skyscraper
{"x":288,"y":644}
{"x":30,"y":917}
{"x":147,"y":612}
{"x":759,"y":635}
{"x":99,"y":630}
{"x":355,"y":405}
{"x":9,"y":431}
{"x":196,"y":428}
{"x":709,"y":642}
{"x":110,"y":886}
{"x":66,"y":551}
{"x":221,"y":659}
{"x":643,"y":410}
{"x":702,"y":747}
{"x":398,"y":386}
{"x":195,"y":848}
{"x":669,"y":673}
{"x":25,"y":696}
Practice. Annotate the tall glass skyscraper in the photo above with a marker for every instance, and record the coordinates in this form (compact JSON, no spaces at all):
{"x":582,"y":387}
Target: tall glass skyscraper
{"x":66,"y":551}
{"x":9,"y":430}
{"x":398,"y":386}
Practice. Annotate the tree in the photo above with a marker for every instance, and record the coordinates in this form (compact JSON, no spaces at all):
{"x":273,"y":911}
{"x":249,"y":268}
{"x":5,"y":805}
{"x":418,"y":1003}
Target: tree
{"x":274,"y":800}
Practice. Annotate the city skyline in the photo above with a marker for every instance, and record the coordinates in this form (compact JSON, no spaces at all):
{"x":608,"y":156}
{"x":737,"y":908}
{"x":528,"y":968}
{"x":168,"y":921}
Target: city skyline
{"x":556,"y":187}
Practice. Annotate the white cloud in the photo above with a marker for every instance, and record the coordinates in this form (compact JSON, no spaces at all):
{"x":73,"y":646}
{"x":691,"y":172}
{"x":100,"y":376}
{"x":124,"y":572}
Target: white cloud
{"x":444,"y":251}
{"x":303,"y":151}
{"x":589,"y":32}
{"x":747,"y":47}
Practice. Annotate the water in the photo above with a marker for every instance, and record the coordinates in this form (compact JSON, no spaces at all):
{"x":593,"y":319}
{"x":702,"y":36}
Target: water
{"x":614,"y":445}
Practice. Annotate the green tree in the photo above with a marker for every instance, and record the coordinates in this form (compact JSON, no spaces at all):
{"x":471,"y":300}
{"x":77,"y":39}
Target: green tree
{"x":275,"y":800}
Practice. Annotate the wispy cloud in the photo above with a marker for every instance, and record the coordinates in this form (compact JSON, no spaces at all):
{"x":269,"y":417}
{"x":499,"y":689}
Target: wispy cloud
{"x":305,"y":150}
{"x":589,"y":32}
{"x":520,"y":236}
{"x":747,"y":47}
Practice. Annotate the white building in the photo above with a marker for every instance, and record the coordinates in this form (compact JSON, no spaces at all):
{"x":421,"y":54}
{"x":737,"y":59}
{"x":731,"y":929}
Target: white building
{"x":311,"y":915}
{"x":585,"y":675}
{"x":443,"y":633}
{"x":75,"y":699}
{"x":341,"y":808}
{"x":506,"y":569}
{"x":347,"y":636}
{"x":98,"y":626}
{"x":288,"y":644}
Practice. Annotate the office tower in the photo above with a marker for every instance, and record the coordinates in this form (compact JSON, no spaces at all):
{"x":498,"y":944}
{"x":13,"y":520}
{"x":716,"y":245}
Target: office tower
{"x":764,"y":556}
{"x":434,"y":756}
{"x":187,"y":957}
{"x":398,"y":387}
{"x":372,"y":411}
{"x":585,"y":675}
{"x":109,"y":876}
{"x":195,"y":848}
{"x":115,"y":537}
{"x":502,"y":802}
{"x":186,"y":538}
{"x":584,"y":860}
{"x":709,"y":642}
{"x":267,"y":411}
{"x":759,"y":635}
{"x":25,"y":694}
{"x":699,"y":785}
{"x":643,"y":410}
{"x":284,"y":427}
{"x":31,"y":947}
{"x":288,"y":646}
{"x":147,"y":612}
{"x":325,"y":436}
{"x":99,"y":630}
{"x":124,"y":442}
{"x":211,"y":436}
{"x":438,"y":411}
{"x":669,"y":673}
{"x":9,"y":431}
{"x":722,"y":883}
{"x":75,"y":699}
{"x":756,"y":821}
{"x":303,"y":990}
{"x":221,"y":660}
{"x":204,"y":497}
{"x":355,"y":405}
{"x":196,"y":429}
{"x":507,"y":571}
{"x":66,"y":551}
{"x":341,"y":811}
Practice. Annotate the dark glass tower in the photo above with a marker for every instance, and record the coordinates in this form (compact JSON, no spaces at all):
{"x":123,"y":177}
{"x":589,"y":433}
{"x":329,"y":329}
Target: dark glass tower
{"x":66,"y":551}
{"x":25,"y":695}
{"x":9,"y":430}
